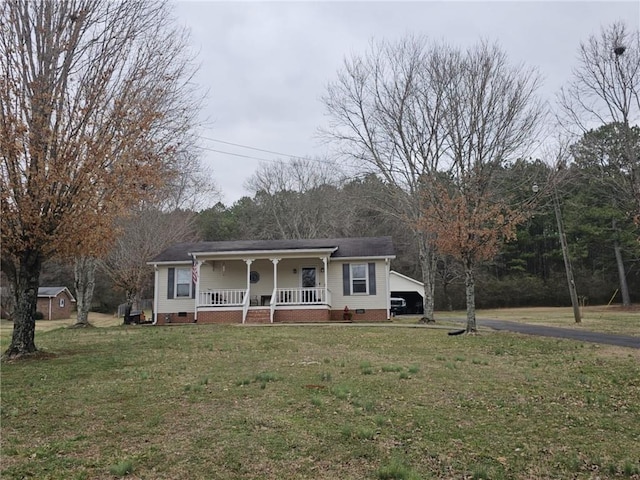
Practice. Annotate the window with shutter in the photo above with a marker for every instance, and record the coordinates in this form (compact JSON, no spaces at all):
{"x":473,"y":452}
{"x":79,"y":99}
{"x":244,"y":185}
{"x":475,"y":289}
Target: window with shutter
{"x":183,"y":283}
{"x":170,"y":282}
{"x":359,"y":279}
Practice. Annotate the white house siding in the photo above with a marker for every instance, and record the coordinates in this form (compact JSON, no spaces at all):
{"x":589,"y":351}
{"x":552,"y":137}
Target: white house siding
{"x":230,"y":274}
{"x":171,"y":305}
{"x":234,"y":274}
{"x":339,"y":300}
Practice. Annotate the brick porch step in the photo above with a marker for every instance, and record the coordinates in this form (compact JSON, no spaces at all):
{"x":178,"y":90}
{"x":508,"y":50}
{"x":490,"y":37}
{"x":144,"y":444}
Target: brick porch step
{"x":262,"y":315}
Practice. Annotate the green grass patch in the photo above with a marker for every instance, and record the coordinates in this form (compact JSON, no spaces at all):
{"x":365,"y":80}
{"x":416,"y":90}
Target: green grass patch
{"x":122,"y":468}
{"x":264,"y":377}
{"x":295,"y":402}
{"x":396,"y":470}
{"x":392,"y":368}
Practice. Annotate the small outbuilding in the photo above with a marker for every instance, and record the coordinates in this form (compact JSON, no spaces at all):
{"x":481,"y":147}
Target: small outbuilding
{"x":408,"y":288}
{"x":55,"y":303}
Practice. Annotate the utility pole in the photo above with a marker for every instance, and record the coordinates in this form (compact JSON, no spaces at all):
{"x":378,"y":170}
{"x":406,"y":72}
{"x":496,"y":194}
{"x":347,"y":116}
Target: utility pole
{"x":565,"y":252}
{"x":567,"y":261}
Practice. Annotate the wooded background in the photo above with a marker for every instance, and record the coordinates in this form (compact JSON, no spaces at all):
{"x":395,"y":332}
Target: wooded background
{"x":528,"y":271}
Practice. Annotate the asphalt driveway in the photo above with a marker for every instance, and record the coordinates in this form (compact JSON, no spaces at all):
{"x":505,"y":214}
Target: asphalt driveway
{"x":557,"y":332}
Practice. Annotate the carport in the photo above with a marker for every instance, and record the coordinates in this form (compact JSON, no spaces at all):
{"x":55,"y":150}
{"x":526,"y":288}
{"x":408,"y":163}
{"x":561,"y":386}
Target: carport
{"x":408,"y":288}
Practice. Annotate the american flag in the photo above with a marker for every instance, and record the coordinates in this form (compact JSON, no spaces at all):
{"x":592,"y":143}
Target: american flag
{"x":194,"y":270}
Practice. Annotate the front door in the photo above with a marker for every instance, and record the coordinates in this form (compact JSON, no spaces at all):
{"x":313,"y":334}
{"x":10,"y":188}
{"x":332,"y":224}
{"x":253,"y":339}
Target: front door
{"x":308,"y":281}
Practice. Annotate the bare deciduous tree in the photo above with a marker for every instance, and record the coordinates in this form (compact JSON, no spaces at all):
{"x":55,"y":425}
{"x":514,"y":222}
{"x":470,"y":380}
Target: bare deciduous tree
{"x":386,"y":112}
{"x":146,"y":233}
{"x":605,"y":89}
{"x":492,"y":116}
{"x":187,"y":187}
{"x":603,"y":99}
{"x":300,"y":197}
{"x":95,"y":101}
{"x":437,"y":124}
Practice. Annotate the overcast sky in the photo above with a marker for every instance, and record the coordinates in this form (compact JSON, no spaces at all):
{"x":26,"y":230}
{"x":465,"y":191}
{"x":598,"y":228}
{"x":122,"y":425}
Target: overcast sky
{"x":266,"y":65}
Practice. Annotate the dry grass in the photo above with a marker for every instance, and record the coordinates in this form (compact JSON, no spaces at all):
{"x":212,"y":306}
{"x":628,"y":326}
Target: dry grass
{"x":318,"y":402}
{"x":95,"y":319}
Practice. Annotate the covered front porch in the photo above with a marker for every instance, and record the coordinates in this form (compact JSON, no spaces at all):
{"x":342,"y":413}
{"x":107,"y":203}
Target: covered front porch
{"x":260,"y":289}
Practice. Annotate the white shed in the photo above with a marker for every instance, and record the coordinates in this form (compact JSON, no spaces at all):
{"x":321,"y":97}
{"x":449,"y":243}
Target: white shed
{"x":408,"y":288}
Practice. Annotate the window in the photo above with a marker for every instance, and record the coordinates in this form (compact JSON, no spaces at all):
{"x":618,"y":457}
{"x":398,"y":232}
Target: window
{"x":61,"y":303}
{"x":359,"y":278}
{"x":183,"y":282}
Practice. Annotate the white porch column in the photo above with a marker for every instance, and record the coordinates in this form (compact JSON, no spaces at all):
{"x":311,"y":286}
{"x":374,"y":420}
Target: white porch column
{"x":156,"y":285}
{"x":248,"y":261}
{"x":275,"y":273}
{"x":387,"y":263}
{"x":325,"y":262}
{"x":195,"y":275}
{"x":326,"y":271}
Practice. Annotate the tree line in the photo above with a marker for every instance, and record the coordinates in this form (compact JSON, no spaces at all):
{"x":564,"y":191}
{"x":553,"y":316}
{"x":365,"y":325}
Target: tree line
{"x":528,"y":270}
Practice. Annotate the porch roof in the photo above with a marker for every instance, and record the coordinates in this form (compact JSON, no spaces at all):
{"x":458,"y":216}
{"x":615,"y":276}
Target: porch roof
{"x":356,"y":247}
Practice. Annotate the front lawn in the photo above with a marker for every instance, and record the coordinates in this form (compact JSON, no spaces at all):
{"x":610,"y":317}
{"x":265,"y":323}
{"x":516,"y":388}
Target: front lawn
{"x":318,"y":402}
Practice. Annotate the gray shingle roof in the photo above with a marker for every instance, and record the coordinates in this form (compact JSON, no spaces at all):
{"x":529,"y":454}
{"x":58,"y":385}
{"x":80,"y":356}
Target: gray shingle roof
{"x":53,"y":292}
{"x":346,"y":247}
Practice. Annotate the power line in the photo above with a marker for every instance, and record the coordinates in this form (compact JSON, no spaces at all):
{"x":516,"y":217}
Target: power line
{"x":270,"y":160}
{"x":254,"y":148}
{"x":209,"y":149}
{"x":319,"y":160}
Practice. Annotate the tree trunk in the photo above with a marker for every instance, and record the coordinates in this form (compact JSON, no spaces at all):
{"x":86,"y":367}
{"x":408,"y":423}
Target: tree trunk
{"x":470,"y":290}
{"x":624,"y":288}
{"x":85,"y":269}
{"x":26,"y":282}
{"x":447,"y":296}
{"x":428,"y":264}
{"x":132,"y":301}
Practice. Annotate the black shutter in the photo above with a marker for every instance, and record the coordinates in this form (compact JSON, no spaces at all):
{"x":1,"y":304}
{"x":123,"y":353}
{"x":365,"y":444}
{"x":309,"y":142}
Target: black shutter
{"x":346,"y":279}
{"x":171,"y":282}
{"x":193,"y":289}
{"x":372,"y":279}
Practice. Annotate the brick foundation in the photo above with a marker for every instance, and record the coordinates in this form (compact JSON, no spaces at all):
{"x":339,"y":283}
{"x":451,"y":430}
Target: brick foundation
{"x":367,"y":316}
{"x":301,"y":316}
{"x":280,"y":316}
{"x":174,"y":318}
{"x":234,"y":316}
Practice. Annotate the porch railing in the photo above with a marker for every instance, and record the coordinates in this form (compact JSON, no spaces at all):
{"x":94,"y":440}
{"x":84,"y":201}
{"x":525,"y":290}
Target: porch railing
{"x":281,"y":296}
{"x":302,"y":296}
{"x":223,"y":298}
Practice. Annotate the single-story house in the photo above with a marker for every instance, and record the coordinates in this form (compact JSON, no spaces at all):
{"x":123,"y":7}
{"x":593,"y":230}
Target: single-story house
{"x":262,"y":281}
{"x":408,"y":288}
{"x":55,"y":303}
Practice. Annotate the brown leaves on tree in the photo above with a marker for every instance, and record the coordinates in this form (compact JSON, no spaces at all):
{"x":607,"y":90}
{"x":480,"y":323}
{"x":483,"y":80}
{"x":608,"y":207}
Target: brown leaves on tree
{"x":469,"y":227}
{"x":95,"y":105}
